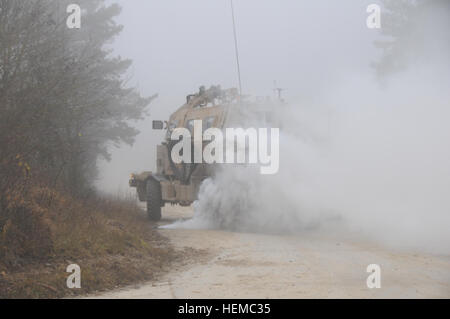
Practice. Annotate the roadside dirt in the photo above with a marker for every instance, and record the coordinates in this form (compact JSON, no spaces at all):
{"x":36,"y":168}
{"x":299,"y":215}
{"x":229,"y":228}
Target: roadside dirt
{"x":312,"y":265}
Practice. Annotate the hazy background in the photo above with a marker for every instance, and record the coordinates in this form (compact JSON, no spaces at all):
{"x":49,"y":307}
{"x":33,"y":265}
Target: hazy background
{"x":373,"y":155}
{"x":308,"y":47}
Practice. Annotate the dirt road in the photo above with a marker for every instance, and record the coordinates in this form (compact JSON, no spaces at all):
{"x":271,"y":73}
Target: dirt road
{"x":237,"y":265}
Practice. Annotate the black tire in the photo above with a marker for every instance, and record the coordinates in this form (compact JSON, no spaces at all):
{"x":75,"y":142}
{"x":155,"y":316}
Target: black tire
{"x":154,"y":200}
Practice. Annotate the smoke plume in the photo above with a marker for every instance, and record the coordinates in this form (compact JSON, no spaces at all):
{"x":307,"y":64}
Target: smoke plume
{"x":365,"y":157}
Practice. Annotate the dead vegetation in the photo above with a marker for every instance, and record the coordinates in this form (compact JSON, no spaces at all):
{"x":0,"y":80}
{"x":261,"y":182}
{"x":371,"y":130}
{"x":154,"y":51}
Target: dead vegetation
{"x":64,"y":100}
{"x":110,"y":239}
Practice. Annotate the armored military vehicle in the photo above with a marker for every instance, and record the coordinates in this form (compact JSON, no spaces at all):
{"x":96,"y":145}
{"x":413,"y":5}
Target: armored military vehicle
{"x":174,"y":183}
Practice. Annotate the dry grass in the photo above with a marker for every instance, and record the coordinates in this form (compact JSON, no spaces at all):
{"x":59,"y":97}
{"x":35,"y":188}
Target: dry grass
{"x":111,"y":240}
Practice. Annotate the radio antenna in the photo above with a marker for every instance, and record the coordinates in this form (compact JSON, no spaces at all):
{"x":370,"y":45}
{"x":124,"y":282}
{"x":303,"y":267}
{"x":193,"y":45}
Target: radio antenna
{"x":236,"y":48}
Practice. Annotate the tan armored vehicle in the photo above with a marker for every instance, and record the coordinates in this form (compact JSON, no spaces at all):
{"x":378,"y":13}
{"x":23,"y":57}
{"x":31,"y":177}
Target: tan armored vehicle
{"x":179,"y":183}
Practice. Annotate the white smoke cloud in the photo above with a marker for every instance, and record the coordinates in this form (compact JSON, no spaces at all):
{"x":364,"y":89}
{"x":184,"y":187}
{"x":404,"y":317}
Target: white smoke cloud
{"x":361,"y":157}
{"x":380,"y":165}
{"x":368,"y":158}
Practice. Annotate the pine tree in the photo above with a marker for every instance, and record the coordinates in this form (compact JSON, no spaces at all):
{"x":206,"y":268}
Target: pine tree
{"x":63,"y":94}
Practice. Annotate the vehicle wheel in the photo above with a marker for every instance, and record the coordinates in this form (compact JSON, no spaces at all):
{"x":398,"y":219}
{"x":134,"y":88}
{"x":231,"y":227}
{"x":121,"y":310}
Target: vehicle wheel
{"x":154,"y":200}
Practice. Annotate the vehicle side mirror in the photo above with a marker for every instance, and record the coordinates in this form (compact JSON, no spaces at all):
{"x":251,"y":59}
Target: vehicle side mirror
{"x":158,"y":125}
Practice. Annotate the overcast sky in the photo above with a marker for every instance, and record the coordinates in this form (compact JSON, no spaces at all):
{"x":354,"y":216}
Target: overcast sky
{"x":176,"y":46}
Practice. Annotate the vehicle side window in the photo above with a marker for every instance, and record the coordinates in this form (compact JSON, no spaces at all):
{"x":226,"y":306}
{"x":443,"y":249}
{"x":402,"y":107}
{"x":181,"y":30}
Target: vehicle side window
{"x":170,"y":127}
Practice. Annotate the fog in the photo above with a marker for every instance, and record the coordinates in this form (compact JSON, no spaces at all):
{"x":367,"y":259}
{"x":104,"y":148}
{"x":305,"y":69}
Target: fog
{"x":177,"y":46}
{"x":356,"y":151}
